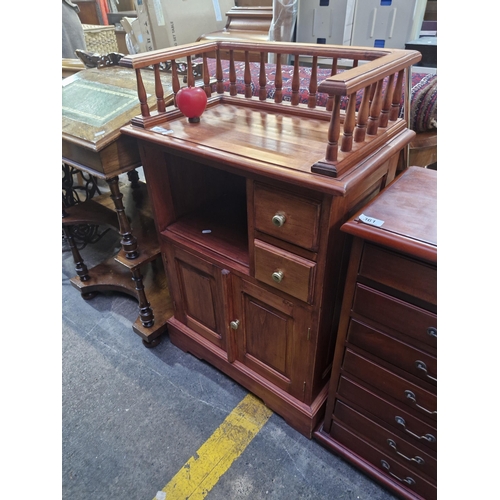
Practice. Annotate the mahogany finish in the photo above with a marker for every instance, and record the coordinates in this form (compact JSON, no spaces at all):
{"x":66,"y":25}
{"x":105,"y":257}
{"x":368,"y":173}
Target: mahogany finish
{"x":382,"y":403}
{"x":250,"y":232}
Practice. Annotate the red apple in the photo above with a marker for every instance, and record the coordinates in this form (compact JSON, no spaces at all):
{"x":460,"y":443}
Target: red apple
{"x":192,"y":101}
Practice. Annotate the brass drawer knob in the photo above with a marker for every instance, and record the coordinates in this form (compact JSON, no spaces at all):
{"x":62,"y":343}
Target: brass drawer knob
{"x":277,"y":276}
{"x":279,"y":219}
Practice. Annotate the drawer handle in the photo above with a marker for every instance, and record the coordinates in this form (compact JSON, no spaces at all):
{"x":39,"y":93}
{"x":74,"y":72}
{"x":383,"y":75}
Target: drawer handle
{"x":235,"y":324}
{"x":392,"y":444}
{"x":279,"y":219}
{"x":408,"y":480}
{"x":278,"y":276}
{"x":431,"y":331}
{"x":423,"y":368}
{"x":411,"y":396}
{"x":427,"y":437}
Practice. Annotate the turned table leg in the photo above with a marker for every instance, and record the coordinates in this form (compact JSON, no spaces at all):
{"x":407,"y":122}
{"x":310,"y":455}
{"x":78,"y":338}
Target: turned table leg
{"x":80,"y":267}
{"x":128,"y":240}
{"x":145,"y":311}
{"x":129,"y":245}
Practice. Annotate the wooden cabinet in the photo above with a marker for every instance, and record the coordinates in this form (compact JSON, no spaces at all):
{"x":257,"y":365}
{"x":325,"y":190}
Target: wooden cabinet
{"x":382,"y":403}
{"x":248,"y":210}
{"x":198,"y":292}
{"x":251,"y":268}
{"x":272,"y":338}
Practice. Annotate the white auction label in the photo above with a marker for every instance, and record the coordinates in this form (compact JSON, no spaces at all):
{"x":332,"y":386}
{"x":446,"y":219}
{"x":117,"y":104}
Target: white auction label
{"x":161,"y":130}
{"x":370,"y":220}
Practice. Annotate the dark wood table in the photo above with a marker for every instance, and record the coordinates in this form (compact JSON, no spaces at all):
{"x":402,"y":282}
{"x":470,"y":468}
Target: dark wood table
{"x":96,"y":103}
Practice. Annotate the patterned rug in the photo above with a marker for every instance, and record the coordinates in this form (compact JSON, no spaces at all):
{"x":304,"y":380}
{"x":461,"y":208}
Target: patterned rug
{"x":423,"y":95}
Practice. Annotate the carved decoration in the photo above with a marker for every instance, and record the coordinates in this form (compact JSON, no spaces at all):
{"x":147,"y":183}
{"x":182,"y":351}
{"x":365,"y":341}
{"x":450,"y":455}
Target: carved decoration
{"x":94,"y":60}
{"x":78,"y":192}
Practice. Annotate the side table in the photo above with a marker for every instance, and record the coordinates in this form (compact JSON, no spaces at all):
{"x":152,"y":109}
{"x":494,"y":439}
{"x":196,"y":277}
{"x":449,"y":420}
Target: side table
{"x":96,"y":103}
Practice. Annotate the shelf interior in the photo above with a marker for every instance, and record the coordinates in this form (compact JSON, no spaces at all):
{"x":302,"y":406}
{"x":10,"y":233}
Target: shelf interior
{"x":215,"y":217}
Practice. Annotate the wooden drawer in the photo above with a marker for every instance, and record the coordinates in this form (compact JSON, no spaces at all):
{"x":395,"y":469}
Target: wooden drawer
{"x":402,"y":273}
{"x":284,"y":271}
{"x":400,"y":450}
{"x":396,"y":314}
{"x":384,"y":463}
{"x":299,"y":217}
{"x":423,"y":402}
{"x":409,"y":426}
{"x":401,"y":354}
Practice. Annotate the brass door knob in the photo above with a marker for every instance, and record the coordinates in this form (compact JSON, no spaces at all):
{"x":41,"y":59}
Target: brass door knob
{"x":279,"y":219}
{"x":277,"y":276}
{"x":235,"y":324}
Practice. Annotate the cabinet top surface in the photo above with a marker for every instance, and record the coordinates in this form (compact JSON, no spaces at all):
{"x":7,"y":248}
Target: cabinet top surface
{"x":279,"y":145}
{"x":282,"y":140}
{"x":403,"y":216}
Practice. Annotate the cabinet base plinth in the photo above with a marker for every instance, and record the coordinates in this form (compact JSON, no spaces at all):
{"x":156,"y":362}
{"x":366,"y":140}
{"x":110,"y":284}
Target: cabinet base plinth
{"x":303,"y":418}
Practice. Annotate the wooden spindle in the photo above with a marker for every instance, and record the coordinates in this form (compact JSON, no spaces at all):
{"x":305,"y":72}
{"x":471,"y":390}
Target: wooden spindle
{"x":206,"y":76}
{"x":295,"y":82}
{"x":349,"y":122}
{"x":218,"y":73}
{"x":384,"y":113}
{"x":262,"y":77}
{"x":160,"y":101}
{"x":176,"y":86}
{"x":278,"y":81}
{"x":247,"y":76}
{"x":141,"y":94}
{"x":376,"y":105}
{"x":232,"y":74}
{"x":190,"y":76}
{"x":407,"y":96}
{"x":333,"y":132}
{"x":333,"y":71}
{"x":313,"y":84}
{"x":364,"y":109}
{"x":372,"y":93}
{"x":396,"y":98}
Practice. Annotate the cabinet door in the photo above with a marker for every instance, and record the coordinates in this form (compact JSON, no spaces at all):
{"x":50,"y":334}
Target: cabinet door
{"x":272,"y":338}
{"x":198,"y":288}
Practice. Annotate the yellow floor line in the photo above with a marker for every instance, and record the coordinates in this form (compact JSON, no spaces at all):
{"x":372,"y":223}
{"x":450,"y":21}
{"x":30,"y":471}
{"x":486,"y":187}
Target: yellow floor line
{"x":202,"y":471}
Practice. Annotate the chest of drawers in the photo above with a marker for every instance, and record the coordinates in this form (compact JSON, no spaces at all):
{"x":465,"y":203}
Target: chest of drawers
{"x":381,"y":412}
